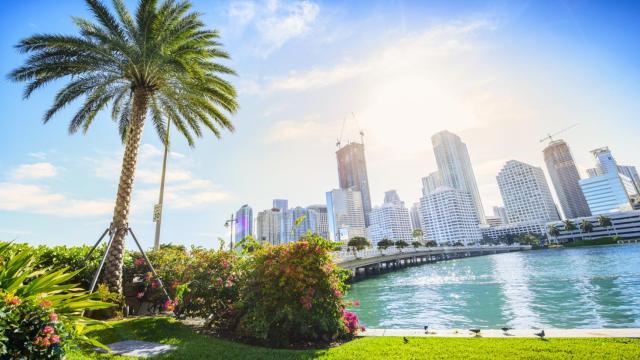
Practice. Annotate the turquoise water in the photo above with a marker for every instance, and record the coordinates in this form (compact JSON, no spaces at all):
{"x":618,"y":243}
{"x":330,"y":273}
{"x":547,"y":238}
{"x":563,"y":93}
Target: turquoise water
{"x":589,"y":287}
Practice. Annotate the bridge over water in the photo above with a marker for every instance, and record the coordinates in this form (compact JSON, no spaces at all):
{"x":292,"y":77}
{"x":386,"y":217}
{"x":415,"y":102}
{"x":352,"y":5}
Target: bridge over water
{"x":374,"y":261}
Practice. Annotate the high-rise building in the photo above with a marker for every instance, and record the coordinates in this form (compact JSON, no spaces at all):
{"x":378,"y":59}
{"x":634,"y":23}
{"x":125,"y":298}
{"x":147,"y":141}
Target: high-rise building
{"x":501,"y":212}
{"x":390,"y":221}
{"x":454,"y":167}
{"x":296,"y":224}
{"x":414,"y":212}
{"x":345,"y":214}
{"x":352,"y":173}
{"x":611,"y":189}
{"x":281,"y":204}
{"x":525,"y":193}
{"x":632,"y":173}
{"x":319,"y":222}
{"x":244,"y":222}
{"x":493,"y":220}
{"x":565,"y":178}
{"x":431,"y":182}
{"x":269,"y":226}
{"x":449,"y":217}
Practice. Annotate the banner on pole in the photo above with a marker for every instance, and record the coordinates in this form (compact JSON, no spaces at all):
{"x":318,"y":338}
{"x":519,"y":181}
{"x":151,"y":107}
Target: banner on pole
{"x":157,"y":210}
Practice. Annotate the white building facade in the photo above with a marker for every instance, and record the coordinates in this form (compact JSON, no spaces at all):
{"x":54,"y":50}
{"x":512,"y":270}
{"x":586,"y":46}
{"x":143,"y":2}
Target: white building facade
{"x":525,"y":193}
{"x":449,"y":217}
{"x":390,"y":221}
{"x":269,"y":226}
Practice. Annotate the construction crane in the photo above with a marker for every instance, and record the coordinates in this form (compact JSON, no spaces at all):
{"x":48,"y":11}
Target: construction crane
{"x":339,"y":139}
{"x":550,"y":136}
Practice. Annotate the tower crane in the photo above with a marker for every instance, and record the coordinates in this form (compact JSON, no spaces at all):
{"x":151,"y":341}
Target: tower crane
{"x":550,"y":136}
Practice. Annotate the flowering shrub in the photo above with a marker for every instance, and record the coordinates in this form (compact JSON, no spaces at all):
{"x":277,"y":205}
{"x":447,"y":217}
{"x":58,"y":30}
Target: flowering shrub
{"x":201,"y":282}
{"x":292,"y":294}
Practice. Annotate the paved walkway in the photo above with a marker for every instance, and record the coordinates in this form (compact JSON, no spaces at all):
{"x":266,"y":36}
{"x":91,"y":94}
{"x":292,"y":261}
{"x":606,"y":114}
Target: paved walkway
{"x":549,"y":333}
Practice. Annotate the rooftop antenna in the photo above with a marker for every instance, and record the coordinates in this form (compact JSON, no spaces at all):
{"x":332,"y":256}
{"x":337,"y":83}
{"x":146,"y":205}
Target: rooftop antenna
{"x":550,"y":136}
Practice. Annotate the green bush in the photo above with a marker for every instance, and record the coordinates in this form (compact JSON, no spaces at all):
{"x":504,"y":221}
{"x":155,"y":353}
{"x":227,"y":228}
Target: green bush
{"x":292,"y":294}
{"x":39,"y":307}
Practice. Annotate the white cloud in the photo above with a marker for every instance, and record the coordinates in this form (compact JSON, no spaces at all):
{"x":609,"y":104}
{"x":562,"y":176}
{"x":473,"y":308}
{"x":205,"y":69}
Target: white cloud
{"x":38,"y":155}
{"x":288,"y":130}
{"x":183,"y":188}
{"x":276,"y":22}
{"x":39,"y":170}
{"x":40,"y":200}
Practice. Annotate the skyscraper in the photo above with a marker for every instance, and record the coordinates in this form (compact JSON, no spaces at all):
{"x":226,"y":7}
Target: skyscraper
{"x":454,"y":167}
{"x":345,"y":214}
{"x":269,"y":226}
{"x":281,"y":204}
{"x":449,"y":217}
{"x":244,"y":222}
{"x":352,"y":173}
{"x":501,"y":212}
{"x":319,"y":221}
{"x":564,"y":176}
{"x":414,"y":212}
{"x":610,"y":190}
{"x":525,"y":193}
{"x":296,"y":224}
{"x":390,"y":221}
{"x":431,"y":182}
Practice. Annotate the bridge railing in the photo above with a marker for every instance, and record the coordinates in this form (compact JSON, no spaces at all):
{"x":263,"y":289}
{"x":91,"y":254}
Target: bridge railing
{"x":348,"y":255}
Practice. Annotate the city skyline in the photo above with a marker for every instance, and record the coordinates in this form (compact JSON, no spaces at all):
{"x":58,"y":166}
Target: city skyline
{"x":59,"y":189}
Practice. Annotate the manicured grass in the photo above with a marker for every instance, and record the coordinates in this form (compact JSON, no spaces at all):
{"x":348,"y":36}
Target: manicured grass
{"x":193,"y":346}
{"x":593,"y":242}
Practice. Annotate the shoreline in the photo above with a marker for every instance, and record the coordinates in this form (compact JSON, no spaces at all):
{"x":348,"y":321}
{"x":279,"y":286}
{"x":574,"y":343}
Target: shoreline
{"x":515,"y":333}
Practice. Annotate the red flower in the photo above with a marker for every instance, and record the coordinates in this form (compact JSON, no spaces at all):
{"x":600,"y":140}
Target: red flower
{"x":12,"y":300}
{"x":55,"y":339}
{"x":337,"y":292}
{"x":139,"y":262}
{"x":53,"y":317}
{"x":48,"y":330}
{"x":46,"y":304}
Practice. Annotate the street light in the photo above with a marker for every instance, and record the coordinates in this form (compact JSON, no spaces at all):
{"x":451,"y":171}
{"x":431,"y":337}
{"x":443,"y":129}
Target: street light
{"x":157,"y":209}
{"x":229,"y":224}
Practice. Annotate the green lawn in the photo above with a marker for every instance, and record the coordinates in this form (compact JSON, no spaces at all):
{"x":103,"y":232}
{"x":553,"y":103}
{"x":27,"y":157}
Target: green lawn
{"x":193,"y":346}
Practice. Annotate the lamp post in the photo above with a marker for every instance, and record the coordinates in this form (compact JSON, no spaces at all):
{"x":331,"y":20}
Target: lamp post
{"x":157,"y":213}
{"x":229,"y":224}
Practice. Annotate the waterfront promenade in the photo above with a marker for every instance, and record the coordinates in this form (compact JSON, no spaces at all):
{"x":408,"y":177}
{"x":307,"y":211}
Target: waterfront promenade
{"x":374,"y":261}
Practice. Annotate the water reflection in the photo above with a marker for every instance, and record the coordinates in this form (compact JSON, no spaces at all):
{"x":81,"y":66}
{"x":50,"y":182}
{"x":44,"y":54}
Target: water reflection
{"x":562,"y":288}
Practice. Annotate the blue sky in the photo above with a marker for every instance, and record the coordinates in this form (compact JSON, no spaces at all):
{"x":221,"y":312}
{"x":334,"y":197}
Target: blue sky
{"x":501,"y":74}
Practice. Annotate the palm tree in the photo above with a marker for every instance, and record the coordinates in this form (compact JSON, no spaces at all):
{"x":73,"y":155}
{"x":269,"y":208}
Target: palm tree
{"x":553,"y":231}
{"x":606,"y":223}
{"x":160,"y":62}
{"x":586,"y":227}
{"x":570,"y":226}
{"x":417,"y":234}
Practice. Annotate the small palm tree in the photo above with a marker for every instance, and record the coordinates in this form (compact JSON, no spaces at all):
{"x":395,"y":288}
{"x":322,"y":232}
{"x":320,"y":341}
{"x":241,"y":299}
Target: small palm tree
{"x":553,"y":231}
{"x":586,"y":227}
{"x":606,"y":223}
{"x":417,"y":234}
{"x":160,"y":62}
{"x":570,"y":226}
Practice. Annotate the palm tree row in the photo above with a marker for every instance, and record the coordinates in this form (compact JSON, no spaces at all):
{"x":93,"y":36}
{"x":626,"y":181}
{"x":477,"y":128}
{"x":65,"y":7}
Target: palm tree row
{"x":160,"y":63}
{"x":585,"y":226}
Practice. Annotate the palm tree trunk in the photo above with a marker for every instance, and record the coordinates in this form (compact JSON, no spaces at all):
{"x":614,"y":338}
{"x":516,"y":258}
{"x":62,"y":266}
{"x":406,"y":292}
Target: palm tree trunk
{"x":113,"y":274}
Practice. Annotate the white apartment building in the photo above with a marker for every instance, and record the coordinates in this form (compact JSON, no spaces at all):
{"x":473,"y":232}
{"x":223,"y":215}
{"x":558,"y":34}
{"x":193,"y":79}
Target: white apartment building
{"x":525,"y":193}
{"x":269,"y":225}
{"x":449,"y":216}
{"x":390,"y":221}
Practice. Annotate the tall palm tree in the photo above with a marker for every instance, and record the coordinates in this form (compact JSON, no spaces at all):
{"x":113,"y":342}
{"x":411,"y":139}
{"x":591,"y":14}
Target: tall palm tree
{"x":586,"y":227}
{"x":553,"y":231}
{"x":606,"y":223}
{"x":161,"y":62}
{"x":417,"y":234}
{"x":569,"y":226}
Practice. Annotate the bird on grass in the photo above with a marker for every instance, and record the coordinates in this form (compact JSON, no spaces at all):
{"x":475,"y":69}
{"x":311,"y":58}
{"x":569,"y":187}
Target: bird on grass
{"x":426,"y":329}
{"x":506,"y":329}
{"x":406,"y":341}
{"x":475,"y":331}
{"x":540,"y":334}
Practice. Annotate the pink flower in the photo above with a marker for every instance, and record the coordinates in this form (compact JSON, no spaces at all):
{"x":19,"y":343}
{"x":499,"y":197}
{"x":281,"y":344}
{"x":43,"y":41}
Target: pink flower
{"x":48,"y":330}
{"x":53,"y":317}
{"x":225,"y":264}
{"x":55,"y":339}
{"x":12,"y":300}
{"x":362,"y":329}
{"x":169,"y":305}
{"x":155,"y":284}
{"x":139,"y":262}
{"x":337,"y":293}
{"x":140,"y":295}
